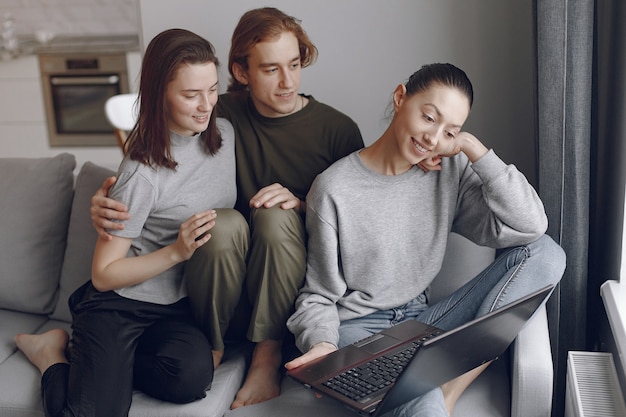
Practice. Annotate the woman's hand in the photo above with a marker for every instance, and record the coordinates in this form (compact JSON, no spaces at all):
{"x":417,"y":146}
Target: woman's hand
{"x":317,"y":351}
{"x":430,"y":164}
{"x":104,"y":209}
{"x":277,"y":194}
{"x":450,"y":146}
{"x":464,"y":142}
{"x":444,"y":148}
{"x":193,"y":233}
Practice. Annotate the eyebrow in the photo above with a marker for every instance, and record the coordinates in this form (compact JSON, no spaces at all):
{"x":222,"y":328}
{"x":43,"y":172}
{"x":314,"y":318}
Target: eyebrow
{"x":199,"y":89}
{"x":276,"y":64}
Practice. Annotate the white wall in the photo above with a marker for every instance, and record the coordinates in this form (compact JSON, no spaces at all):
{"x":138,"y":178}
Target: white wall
{"x":367,"y":47}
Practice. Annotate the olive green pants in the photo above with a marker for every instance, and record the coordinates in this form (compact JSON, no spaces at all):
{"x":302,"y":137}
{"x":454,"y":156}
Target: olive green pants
{"x":247,"y":276}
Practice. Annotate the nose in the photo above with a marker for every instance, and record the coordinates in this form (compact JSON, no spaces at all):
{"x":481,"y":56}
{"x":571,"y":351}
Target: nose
{"x":432,"y":138}
{"x":286,"y":79}
{"x":205,"y":102}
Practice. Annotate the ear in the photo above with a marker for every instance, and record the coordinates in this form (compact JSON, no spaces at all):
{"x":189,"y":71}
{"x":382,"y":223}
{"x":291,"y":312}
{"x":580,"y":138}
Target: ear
{"x":240,"y":74}
{"x":399,"y":95}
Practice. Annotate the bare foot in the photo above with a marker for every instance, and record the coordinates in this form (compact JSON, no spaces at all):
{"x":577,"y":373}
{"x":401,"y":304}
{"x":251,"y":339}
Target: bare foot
{"x":263,"y":380}
{"x":44,"y":350}
{"x":217,"y":357}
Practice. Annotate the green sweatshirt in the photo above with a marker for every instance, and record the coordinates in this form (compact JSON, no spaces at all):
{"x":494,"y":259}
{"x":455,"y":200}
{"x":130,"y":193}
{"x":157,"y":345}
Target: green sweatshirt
{"x":290,"y":150}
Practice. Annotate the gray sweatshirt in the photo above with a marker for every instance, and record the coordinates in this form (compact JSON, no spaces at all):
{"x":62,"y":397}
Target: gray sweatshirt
{"x":377,"y":241}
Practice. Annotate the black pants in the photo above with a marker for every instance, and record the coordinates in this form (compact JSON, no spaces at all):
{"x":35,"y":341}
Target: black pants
{"x":119,"y":345}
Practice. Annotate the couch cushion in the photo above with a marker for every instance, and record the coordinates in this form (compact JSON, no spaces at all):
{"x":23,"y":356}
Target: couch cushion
{"x":227,"y":380}
{"x":488,"y":396}
{"x":20,"y":389}
{"x":294,"y":400}
{"x":20,"y":381}
{"x":81,"y":237}
{"x":35,"y":208}
{"x":463,"y":260}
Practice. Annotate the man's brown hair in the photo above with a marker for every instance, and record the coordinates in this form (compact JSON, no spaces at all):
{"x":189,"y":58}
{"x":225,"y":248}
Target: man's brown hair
{"x":261,"y":25}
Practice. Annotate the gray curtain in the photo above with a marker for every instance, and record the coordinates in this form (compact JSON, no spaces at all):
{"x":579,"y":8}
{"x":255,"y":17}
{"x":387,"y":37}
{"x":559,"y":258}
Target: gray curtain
{"x":579,"y":159}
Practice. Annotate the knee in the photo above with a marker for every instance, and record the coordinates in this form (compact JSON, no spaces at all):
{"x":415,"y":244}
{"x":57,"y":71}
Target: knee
{"x":229,"y":233}
{"x":552,"y":255}
{"x":275,"y":225}
{"x":183,"y":378}
{"x":186,"y":382}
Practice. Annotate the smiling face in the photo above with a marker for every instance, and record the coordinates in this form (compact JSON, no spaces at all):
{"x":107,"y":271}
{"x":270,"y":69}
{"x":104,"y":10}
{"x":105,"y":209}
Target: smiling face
{"x":428,"y":121}
{"x":273,"y":75}
{"x":190,"y":98}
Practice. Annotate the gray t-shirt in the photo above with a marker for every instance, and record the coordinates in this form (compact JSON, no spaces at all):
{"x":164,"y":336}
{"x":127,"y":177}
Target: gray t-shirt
{"x":159,"y":200}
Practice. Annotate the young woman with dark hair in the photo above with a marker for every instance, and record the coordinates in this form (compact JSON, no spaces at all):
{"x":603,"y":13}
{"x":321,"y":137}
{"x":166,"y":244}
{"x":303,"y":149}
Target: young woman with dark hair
{"x":132,"y":322}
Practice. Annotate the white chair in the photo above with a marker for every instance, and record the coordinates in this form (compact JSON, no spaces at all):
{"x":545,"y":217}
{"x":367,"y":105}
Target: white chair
{"x":121,"y":111}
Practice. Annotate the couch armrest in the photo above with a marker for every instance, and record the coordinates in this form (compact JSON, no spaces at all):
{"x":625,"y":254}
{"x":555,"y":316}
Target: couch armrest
{"x":532,"y":369}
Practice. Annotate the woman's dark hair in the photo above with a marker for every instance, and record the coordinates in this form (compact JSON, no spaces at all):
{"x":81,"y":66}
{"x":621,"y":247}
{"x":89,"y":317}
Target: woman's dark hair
{"x":261,"y":25}
{"x":149,"y":141}
{"x":445,"y":74}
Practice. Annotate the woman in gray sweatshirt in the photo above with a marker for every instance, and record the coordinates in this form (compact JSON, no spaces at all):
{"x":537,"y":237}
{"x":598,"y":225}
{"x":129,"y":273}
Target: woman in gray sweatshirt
{"x":379,"y":219}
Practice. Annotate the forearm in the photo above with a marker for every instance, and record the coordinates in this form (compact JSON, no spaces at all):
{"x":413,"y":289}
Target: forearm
{"x":315,"y":319}
{"x":127,"y":271}
{"x":498,"y":206}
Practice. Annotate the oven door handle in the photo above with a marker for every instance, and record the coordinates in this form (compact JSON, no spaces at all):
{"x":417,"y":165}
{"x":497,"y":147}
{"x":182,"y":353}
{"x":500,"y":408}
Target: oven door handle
{"x":89,"y":80}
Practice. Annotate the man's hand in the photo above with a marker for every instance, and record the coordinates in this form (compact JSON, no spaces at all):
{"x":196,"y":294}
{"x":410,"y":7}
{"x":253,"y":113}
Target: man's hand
{"x":317,"y":351}
{"x":277,"y":194}
{"x":104,"y":209}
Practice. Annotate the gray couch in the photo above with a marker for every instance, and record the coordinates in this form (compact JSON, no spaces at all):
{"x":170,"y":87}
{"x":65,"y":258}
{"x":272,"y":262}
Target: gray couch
{"x":45,"y":253}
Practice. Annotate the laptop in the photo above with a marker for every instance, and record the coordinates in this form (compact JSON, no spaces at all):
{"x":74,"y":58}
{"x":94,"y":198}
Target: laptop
{"x":390,"y":368}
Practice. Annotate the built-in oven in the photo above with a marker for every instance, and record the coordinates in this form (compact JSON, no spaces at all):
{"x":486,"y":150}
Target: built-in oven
{"x":75,"y":89}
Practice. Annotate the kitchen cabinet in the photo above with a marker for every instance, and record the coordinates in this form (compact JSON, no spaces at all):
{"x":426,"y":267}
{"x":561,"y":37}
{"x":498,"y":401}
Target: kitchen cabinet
{"x":22,"y":117}
{"x":20,"y":91}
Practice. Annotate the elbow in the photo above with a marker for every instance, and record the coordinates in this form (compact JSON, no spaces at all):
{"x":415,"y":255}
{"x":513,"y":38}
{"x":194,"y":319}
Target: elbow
{"x":542,"y":226}
{"x":536,"y":231}
{"x":99,"y":283}
{"x":98,"y":287}
{"x":536,"y":226}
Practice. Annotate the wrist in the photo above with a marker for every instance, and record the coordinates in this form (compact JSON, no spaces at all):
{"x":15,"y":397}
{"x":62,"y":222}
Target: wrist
{"x":324,"y":345}
{"x":472,"y":147}
{"x":173,"y":254}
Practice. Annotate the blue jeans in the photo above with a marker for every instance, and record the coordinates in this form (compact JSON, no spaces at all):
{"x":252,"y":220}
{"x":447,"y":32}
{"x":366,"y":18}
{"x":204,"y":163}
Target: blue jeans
{"x":514,"y":274}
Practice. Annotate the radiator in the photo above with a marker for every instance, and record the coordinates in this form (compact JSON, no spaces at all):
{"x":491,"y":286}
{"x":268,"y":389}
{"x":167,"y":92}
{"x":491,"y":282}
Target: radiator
{"x":592,"y":388}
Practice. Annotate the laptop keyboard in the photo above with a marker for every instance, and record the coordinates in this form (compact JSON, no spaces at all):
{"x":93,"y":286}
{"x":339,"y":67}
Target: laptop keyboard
{"x":363,"y":382}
